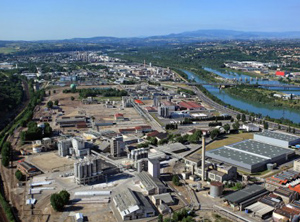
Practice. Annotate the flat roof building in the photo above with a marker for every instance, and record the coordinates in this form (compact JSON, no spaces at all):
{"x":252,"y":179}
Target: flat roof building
{"x":246,"y":196}
{"x":277,"y":138}
{"x":251,"y":155}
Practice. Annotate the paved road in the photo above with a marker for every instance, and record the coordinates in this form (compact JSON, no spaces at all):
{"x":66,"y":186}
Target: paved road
{"x":231,"y":112}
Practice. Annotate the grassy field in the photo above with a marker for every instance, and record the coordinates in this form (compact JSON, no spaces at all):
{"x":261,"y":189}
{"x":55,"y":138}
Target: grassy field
{"x":229,"y":139}
{"x":6,"y":50}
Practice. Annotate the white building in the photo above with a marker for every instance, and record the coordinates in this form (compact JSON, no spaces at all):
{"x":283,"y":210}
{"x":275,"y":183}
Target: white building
{"x":250,"y":127}
{"x":154,"y":168}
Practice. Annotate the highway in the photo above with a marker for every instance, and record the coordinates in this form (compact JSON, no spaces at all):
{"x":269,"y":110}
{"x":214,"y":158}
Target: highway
{"x":233,"y":113}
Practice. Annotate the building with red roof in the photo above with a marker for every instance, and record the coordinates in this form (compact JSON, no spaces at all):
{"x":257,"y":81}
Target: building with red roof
{"x":280,"y":73}
{"x":119,"y":116}
{"x":138,"y":101}
{"x":190,"y":105}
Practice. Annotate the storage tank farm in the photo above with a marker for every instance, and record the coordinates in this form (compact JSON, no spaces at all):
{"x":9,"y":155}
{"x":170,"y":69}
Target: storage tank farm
{"x":138,"y":154}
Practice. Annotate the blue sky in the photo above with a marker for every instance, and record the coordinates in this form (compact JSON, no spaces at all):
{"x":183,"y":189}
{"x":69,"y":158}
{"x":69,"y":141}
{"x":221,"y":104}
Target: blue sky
{"x":58,"y":19}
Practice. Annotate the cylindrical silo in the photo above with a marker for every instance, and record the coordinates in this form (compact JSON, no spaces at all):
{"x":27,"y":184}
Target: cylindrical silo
{"x":139,"y":166}
{"x":216,"y":189}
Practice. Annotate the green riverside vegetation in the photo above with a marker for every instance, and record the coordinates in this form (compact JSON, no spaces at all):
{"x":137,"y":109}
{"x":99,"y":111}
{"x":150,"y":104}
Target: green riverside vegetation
{"x":265,"y":96}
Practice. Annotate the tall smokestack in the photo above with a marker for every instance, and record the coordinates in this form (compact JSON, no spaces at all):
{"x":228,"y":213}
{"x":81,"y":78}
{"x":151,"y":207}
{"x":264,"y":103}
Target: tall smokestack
{"x":203,"y":156}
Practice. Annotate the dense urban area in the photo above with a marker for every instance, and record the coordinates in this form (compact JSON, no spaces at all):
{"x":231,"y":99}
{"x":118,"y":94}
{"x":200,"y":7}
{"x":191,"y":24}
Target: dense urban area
{"x":160,"y":130}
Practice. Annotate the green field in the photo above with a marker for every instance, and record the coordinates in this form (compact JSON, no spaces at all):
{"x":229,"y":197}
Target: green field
{"x":229,"y":139}
{"x":7,"y":50}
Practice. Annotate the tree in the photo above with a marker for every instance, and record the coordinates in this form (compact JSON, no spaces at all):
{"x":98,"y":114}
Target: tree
{"x":65,"y":196}
{"x":19,"y":175}
{"x":160,"y":218}
{"x":238,"y":116}
{"x":5,"y":153}
{"x":57,"y":202}
{"x":266,"y":125}
{"x":56,"y":102}
{"x":54,"y":91}
{"x":214,"y":133}
{"x":243,"y":117}
{"x":47,"y":130}
{"x":72,"y":98}
{"x":226,"y":127}
{"x":50,"y":104}
{"x":175,"y":180}
{"x":236,"y":125}
{"x":195,"y":137}
{"x":153,"y":141}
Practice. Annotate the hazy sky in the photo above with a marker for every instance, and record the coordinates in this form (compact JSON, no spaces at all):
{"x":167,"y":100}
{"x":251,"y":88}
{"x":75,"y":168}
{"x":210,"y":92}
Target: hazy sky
{"x":58,"y":19}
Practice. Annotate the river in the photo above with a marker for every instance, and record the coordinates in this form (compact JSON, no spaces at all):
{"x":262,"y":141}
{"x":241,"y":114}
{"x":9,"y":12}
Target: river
{"x":254,"y":107}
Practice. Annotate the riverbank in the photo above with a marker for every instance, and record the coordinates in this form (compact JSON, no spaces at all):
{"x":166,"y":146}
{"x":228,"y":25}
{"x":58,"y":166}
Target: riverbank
{"x":263,"y":96}
{"x":243,"y":107}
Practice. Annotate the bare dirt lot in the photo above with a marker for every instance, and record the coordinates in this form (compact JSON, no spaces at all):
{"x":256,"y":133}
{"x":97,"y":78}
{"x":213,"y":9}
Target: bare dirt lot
{"x":49,"y":161}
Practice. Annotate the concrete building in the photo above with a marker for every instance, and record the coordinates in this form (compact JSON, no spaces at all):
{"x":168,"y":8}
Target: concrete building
{"x":117,"y":146}
{"x":154,"y":168}
{"x":296,"y":166}
{"x":132,"y":205}
{"x":88,"y":170}
{"x":150,"y":184}
{"x":78,"y":145}
{"x":64,"y":146}
{"x":277,"y":138}
{"x":250,"y":127}
{"x":250,"y":155}
{"x":286,"y":194}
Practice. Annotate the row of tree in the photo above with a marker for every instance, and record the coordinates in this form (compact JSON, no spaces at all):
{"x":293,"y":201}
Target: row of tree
{"x":6,"y":153}
{"x":106,"y":92}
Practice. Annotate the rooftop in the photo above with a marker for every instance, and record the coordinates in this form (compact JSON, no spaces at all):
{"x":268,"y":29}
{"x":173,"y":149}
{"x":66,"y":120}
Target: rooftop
{"x":149,"y":182}
{"x":263,"y":149}
{"x":249,"y":152}
{"x":279,"y":136}
{"x":244,"y":194}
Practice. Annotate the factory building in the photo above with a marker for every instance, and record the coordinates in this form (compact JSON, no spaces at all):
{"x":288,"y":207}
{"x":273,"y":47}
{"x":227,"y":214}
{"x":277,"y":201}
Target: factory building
{"x":277,"y":139}
{"x":154,"y":168}
{"x":28,"y":169}
{"x":137,"y":154}
{"x":150,"y":184}
{"x":246,"y":196}
{"x":64,"y":146}
{"x":73,"y":146}
{"x":132,"y":205}
{"x":87,"y":170}
{"x":250,"y":155}
{"x":117,"y":146}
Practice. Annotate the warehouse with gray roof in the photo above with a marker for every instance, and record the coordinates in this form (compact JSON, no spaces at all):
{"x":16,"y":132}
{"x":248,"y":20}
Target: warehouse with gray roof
{"x":246,"y":196}
{"x":277,"y":138}
{"x":132,"y":205}
{"x":150,"y":184}
{"x":251,"y":155}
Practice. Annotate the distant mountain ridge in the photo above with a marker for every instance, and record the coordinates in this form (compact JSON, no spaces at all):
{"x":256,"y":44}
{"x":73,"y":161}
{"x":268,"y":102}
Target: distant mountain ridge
{"x":190,"y":36}
{"x":195,"y":36}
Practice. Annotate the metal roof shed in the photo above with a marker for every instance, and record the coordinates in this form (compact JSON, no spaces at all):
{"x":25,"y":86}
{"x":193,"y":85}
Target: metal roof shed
{"x":260,"y":209}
